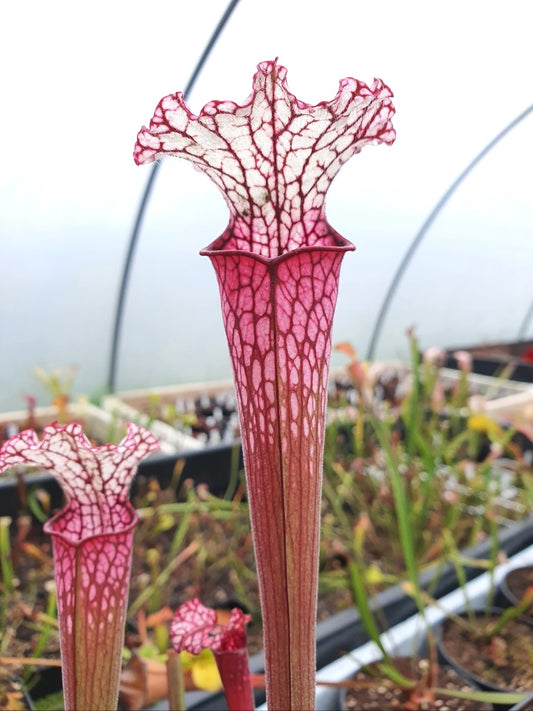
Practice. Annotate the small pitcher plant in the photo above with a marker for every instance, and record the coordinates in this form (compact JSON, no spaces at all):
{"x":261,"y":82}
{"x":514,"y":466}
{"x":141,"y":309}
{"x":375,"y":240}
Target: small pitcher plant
{"x":277,"y":265}
{"x":195,"y":627}
{"x":92,"y":541}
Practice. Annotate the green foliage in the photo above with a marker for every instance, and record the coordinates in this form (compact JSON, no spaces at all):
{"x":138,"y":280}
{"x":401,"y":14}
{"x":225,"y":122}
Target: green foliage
{"x":52,"y":702}
{"x":411,"y":477}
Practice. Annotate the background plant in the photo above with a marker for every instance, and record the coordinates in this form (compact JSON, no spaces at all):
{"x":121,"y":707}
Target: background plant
{"x":192,"y":544}
{"x":459,"y":475}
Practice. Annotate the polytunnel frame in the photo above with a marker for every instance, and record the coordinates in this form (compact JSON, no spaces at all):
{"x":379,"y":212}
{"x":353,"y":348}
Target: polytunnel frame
{"x":402,"y":268}
{"x":119,"y":311}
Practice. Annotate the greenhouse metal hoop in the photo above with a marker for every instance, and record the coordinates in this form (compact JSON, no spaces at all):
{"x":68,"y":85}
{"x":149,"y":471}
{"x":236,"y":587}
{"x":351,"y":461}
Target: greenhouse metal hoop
{"x":144,"y":202}
{"x":425,"y":227}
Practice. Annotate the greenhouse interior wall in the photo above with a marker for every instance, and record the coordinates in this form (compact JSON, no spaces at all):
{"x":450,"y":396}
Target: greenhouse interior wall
{"x":82,"y":80}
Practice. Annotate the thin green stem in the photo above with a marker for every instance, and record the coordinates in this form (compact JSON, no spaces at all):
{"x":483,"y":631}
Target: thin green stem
{"x":414,"y":399}
{"x":162,"y":578}
{"x":50,"y":622}
{"x":402,"y":511}
{"x":176,"y":686}
{"x":6,"y":562}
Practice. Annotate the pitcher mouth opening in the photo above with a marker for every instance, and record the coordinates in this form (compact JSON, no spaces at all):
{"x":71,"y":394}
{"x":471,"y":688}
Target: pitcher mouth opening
{"x":218,"y":248}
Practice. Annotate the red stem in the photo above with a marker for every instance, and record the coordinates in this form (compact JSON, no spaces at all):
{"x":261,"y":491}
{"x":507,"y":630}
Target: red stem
{"x":234,"y":672}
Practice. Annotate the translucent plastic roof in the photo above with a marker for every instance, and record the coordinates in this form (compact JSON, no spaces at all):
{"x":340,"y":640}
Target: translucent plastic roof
{"x":80,"y":80}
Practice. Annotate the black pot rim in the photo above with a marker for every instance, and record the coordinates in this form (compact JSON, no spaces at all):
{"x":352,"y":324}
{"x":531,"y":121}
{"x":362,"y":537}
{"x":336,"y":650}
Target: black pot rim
{"x":463,"y":671}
